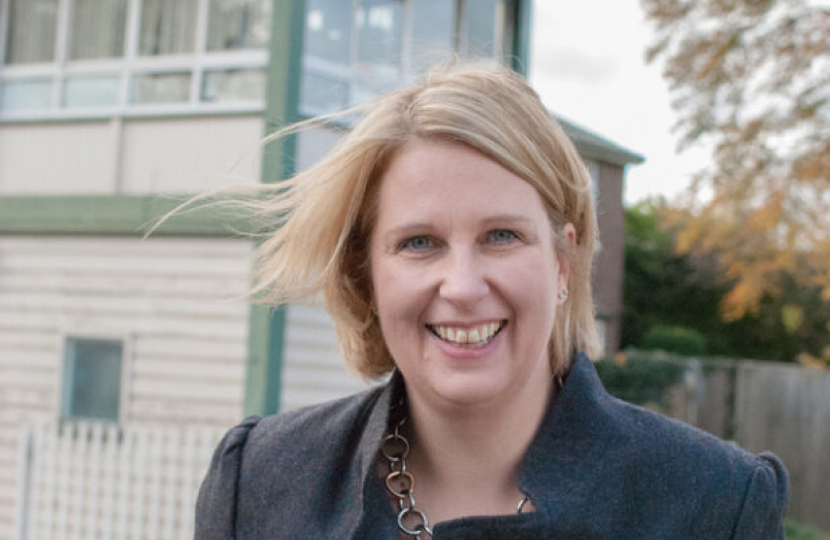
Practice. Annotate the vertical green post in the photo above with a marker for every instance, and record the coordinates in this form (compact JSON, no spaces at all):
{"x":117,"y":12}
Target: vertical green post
{"x":521,"y":36}
{"x":263,"y":378}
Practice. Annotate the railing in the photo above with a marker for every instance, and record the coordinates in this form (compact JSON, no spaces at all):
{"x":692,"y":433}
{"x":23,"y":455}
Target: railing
{"x":83,"y":481}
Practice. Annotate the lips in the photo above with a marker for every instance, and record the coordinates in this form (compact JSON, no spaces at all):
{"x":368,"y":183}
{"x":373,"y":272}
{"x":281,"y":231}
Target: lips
{"x":468,"y":336}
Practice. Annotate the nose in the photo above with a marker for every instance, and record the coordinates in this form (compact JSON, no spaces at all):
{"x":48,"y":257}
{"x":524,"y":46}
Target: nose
{"x":463,"y":281}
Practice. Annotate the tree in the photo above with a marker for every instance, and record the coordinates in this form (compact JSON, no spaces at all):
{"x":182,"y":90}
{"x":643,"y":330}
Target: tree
{"x":751,"y":78}
{"x":663,"y":288}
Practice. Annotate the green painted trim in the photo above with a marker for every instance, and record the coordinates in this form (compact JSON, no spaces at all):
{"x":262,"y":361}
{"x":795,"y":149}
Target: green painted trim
{"x":263,"y":374}
{"x":520,"y":61}
{"x":283,"y":94}
{"x":266,"y":342}
{"x":112,"y":215}
{"x":128,"y":117}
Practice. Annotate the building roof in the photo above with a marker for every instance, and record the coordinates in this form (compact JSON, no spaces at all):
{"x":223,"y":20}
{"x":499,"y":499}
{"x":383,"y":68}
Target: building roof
{"x":596,"y":147}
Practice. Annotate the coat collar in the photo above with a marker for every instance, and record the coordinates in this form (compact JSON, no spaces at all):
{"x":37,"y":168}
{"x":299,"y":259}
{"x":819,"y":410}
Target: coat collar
{"x":558,"y":470}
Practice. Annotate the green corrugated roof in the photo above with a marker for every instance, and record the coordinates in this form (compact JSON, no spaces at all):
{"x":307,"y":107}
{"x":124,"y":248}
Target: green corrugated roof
{"x":597,"y":147}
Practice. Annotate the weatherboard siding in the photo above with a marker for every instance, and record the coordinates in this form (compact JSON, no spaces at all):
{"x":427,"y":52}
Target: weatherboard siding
{"x":313,"y":369}
{"x":176,"y":303}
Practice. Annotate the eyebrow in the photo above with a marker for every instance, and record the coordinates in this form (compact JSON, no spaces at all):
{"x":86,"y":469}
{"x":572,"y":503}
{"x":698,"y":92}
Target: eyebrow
{"x":408,"y":228}
{"x":420,"y":226}
{"x":502,"y":218}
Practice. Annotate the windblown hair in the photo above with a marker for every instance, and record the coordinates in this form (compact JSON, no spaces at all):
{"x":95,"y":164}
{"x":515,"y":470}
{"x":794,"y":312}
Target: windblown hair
{"x":327,"y":212}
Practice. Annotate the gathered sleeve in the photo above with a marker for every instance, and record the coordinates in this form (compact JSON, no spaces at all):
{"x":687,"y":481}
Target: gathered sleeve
{"x":762,"y":513}
{"x":217,"y":501}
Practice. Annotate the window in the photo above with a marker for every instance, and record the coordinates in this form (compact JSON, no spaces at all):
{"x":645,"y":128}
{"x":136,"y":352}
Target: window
{"x":98,"y":29}
{"x":92,"y":379}
{"x":358,"y":49}
{"x":31,"y":31}
{"x":104,"y":57}
{"x":167,"y":27}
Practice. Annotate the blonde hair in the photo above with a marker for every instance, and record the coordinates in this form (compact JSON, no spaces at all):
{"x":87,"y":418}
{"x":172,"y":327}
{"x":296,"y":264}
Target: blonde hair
{"x":326,"y":212}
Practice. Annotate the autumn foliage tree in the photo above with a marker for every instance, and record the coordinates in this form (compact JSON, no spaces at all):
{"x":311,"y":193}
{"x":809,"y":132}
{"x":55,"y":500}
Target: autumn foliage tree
{"x":751,"y":79}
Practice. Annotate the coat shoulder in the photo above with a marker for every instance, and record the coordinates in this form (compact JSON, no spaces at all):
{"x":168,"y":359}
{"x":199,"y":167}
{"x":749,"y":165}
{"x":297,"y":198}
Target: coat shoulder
{"x":718,"y":482}
{"x":309,"y":430}
{"x":254,"y":460}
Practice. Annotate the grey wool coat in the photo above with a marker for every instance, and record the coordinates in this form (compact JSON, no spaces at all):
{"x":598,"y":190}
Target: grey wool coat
{"x":597,"y":469}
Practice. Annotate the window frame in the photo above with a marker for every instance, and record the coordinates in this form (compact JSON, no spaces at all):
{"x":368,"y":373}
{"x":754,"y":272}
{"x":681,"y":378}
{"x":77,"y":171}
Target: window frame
{"x":126,"y":67}
{"x":63,"y":382}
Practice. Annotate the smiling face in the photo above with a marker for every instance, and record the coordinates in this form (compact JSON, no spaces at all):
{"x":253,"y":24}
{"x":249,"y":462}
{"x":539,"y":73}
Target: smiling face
{"x":465,"y":277}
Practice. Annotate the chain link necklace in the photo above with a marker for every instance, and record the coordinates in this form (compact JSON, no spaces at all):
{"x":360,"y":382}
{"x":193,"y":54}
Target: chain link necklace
{"x":395,"y":448}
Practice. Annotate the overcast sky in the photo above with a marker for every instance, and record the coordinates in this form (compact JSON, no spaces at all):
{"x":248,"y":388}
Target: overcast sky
{"x":587,"y":63}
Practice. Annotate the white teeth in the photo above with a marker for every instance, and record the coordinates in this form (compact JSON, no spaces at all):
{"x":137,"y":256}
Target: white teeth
{"x":474,"y":336}
{"x":485,"y":332}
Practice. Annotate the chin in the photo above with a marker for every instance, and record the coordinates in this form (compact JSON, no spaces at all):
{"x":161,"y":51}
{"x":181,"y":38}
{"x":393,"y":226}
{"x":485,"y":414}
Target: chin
{"x":459,"y":389}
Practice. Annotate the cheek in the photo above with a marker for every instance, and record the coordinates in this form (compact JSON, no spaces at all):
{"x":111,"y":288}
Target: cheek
{"x":397,"y":295}
{"x":532,"y":288}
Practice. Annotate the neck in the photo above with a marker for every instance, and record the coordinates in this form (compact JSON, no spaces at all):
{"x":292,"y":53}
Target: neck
{"x":468,"y":463}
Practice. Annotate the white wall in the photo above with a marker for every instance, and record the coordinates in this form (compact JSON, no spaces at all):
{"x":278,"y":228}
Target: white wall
{"x":313,"y":369}
{"x":174,"y":301}
{"x":132,"y":156}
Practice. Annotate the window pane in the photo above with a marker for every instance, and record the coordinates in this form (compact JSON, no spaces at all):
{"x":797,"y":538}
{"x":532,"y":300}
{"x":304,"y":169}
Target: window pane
{"x":324,"y":86}
{"x":26,"y":95}
{"x":31,"y":33}
{"x":97,"y":29}
{"x":91,"y":91}
{"x":379,"y":27}
{"x":323,"y":94}
{"x":161,"y":88}
{"x":328,"y":30}
{"x":432,"y":33}
{"x":234,"y":85}
{"x":482,"y":29}
{"x":239,"y":24}
{"x":92,"y":383}
{"x":167,"y":27}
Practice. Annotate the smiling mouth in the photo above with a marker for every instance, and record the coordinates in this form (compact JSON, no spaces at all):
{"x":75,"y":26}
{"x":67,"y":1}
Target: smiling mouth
{"x":471,"y":338}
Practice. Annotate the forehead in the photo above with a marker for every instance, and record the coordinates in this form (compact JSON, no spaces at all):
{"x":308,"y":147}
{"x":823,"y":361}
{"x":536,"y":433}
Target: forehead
{"x":431,"y":179}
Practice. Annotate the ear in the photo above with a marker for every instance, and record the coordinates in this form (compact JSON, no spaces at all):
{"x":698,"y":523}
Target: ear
{"x":567,"y":246}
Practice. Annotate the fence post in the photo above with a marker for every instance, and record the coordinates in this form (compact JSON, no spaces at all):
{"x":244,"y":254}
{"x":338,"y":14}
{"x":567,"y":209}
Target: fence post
{"x":24,"y":459}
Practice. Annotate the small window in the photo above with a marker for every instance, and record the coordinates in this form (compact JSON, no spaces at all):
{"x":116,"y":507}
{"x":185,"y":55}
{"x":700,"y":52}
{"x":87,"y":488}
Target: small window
{"x":31,"y":31}
{"x":96,"y":90}
{"x":29,"y":94}
{"x":172,"y":87}
{"x":92,"y":379}
{"x":167,"y":27}
{"x":233,"y":85}
{"x":238,"y":24}
{"x":97,"y":29}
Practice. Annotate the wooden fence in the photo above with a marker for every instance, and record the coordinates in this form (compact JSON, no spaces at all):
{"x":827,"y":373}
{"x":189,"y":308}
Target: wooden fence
{"x":761,"y":406}
{"x":786,"y":409}
{"x":96,"y":482}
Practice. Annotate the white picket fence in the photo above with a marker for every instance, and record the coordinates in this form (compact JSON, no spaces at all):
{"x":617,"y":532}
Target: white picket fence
{"x":81,"y":481}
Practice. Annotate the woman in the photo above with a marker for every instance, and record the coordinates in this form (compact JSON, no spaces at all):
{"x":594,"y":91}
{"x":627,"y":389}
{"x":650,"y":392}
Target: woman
{"x":454,"y":236}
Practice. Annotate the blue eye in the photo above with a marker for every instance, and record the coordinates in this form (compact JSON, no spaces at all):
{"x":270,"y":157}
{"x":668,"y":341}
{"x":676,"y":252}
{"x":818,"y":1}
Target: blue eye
{"x":502,"y":236}
{"x":417,"y":243}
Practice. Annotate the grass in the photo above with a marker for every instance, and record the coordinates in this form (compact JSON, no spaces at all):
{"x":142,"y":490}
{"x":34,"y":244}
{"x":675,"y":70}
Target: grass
{"x":793,"y":530}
